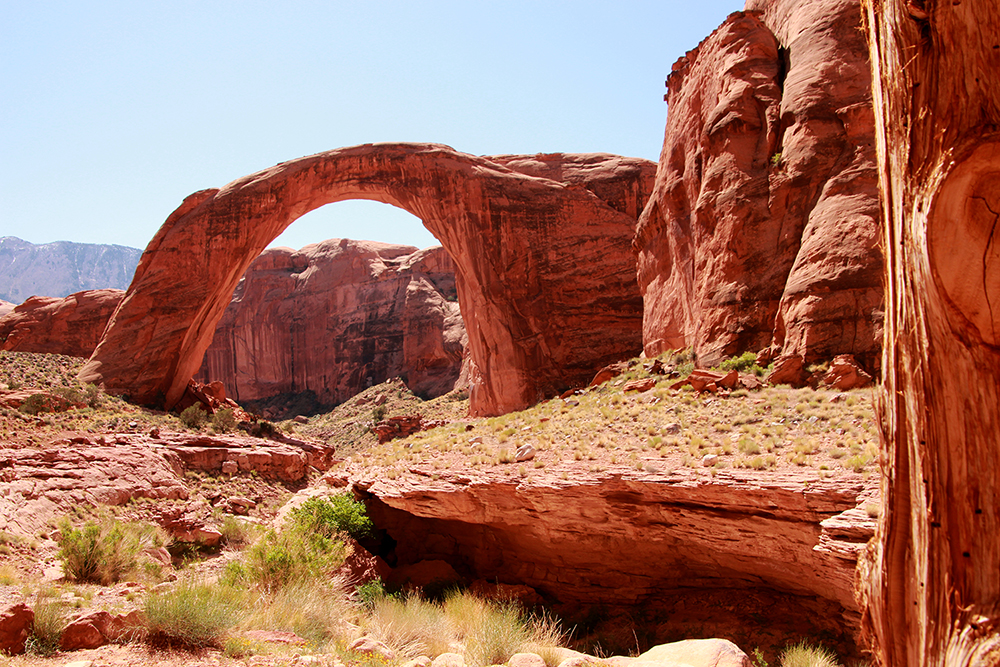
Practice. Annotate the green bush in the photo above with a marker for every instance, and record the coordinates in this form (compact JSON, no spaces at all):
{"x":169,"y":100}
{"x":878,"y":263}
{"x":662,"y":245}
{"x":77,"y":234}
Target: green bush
{"x":291,"y":556}
{"x":744,"y":363}
{"x":194,"y":417}
{"x":335,"y":514}
{"x":37,"y":404}
{"x":369,"y":593}
{"x":102,"y":552}
{"x":224,"y":420}
{"x":193,"y":614}
{"x":805,"y":655}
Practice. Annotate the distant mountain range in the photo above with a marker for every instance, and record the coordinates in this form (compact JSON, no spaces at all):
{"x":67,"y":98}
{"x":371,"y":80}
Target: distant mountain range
{"x":62,"y":268}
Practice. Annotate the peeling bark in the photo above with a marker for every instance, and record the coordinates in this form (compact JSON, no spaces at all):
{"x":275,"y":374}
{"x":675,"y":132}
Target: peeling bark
{"x":932,"y":579}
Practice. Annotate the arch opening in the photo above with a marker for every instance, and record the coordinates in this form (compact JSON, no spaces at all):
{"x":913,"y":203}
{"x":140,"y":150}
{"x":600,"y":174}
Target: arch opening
{"x":307,"y":329}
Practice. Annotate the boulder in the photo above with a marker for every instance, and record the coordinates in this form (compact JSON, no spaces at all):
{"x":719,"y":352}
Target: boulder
{"x":449,"y":660}
{"x":526,"y":660}
{"x":697,"y":653}
{"x":361,"y":566}
{"x":91,"y":629}
{"x":15,"y":626}
{"x":761,"y":229}
{"x":845,"y":373}
{"x":371,"y":646}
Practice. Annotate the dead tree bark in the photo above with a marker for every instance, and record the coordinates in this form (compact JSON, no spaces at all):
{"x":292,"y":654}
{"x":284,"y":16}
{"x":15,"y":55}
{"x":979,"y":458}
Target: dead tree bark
{"x":932,"y":589}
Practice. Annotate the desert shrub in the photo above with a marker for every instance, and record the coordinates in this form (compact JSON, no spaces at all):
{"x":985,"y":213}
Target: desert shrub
{"x":805,"y":655}
{"x":50,"y":619}
{"x":194,"y":416}
{"x":37,"y":404}
{"x":224,"y":420}
{"x":235,"y":532}
{"x":193,"y":614}
{"x":100,"y":552}
{"x":290,"y":557}
{"x":370,"y":592}
{"x":378,"y":413}
{"x":491,"y":631}
{"x":744,"y":363}
{"x":313,"y":612}
{"x":410,"y":626}
{"x":334,"y":514}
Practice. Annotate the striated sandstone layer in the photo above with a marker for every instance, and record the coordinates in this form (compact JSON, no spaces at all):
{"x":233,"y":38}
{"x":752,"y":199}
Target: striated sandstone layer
{"x":38,"y":485}
{"x":543,"y":266}
{"x":761,"y":230}
{"x":631,"y":538}
{"x":72,"y":325}
{"x":337,"y":317}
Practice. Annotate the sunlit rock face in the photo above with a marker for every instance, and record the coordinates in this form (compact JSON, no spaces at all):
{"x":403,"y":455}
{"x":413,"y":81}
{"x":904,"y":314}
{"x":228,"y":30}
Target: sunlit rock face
{"x":541,"y":245}
{"x":761,"y":230}
{"x":336,"y":317}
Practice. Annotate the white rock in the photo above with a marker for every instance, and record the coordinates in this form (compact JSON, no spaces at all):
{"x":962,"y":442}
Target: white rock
{"x":524,"y":453}
{"x":709,"y":460}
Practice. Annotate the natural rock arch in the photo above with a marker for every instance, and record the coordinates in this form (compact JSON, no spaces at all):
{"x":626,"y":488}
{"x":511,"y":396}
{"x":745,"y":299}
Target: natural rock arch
{"x":541,"y":244}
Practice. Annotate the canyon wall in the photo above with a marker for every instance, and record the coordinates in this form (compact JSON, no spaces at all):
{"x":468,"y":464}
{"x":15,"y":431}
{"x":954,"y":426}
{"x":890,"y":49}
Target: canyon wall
{"x":336,"y":317}
{"x":761,"y":230}
{"x":543,"y":264}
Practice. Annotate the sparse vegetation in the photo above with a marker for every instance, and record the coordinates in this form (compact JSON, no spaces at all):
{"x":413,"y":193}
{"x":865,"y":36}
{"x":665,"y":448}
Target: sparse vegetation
{"x":194,"y":417}
{"x":103,"y":551}
{"x":806,"y":655}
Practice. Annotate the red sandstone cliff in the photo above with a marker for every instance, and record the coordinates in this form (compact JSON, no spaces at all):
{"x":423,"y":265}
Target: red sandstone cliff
{"x":336,"y":317}
{"x":72,"y":325}
{"x":761,"y":231}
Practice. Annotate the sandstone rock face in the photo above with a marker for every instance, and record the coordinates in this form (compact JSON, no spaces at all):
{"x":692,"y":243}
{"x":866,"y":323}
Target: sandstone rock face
{"x":38,"y":485}
{"x":72,"y":325}
{"x":6,"y":307}
{"x":336,"y":317}
{"x":631,"y":539}
{"x":761,"y":231}
{"x":543,"y":266}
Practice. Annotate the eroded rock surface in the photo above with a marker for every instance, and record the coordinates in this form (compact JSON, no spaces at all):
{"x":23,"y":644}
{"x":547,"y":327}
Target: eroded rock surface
{"x":336,"y":317}
{"x":761,"y":231}
{"x":631,"y":539}
{"x":71,"y":325}
{"x":544,"y":268}
{"x":38,"y":485}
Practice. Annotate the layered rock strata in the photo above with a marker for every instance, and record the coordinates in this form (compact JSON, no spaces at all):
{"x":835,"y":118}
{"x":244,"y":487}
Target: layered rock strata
{"x":39,"y":485}
{"x":543,"y":266}
{"x":72,"y":325}
{"x":631,"y":538}
{"x":761,"y":230}
{"x":337,"y":317}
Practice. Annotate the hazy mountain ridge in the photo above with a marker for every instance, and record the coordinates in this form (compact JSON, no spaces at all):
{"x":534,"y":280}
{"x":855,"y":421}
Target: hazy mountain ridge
{"x":62,"y":268}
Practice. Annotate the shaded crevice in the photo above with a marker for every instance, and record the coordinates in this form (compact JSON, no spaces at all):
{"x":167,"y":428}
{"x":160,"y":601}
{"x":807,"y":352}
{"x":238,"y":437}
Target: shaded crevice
{"x":986,"y":252}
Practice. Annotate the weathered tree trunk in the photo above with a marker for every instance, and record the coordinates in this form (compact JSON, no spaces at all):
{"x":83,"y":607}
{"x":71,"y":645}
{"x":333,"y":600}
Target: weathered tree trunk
{"x":932,"y":592}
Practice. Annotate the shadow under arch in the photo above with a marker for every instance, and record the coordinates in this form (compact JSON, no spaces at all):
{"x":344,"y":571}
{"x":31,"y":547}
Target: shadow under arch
{"x":541,"y":245}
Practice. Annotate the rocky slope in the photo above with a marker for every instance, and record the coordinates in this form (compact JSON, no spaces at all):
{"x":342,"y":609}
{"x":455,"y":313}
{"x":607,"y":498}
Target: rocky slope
{"x":761,"y":231}
{"x":61,"y":268}
{"x":543,"y":265}
{"x":336,"y":317}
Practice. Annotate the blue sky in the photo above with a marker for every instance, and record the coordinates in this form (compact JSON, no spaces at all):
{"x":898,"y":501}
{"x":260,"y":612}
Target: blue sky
{"x":112,"y":112}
